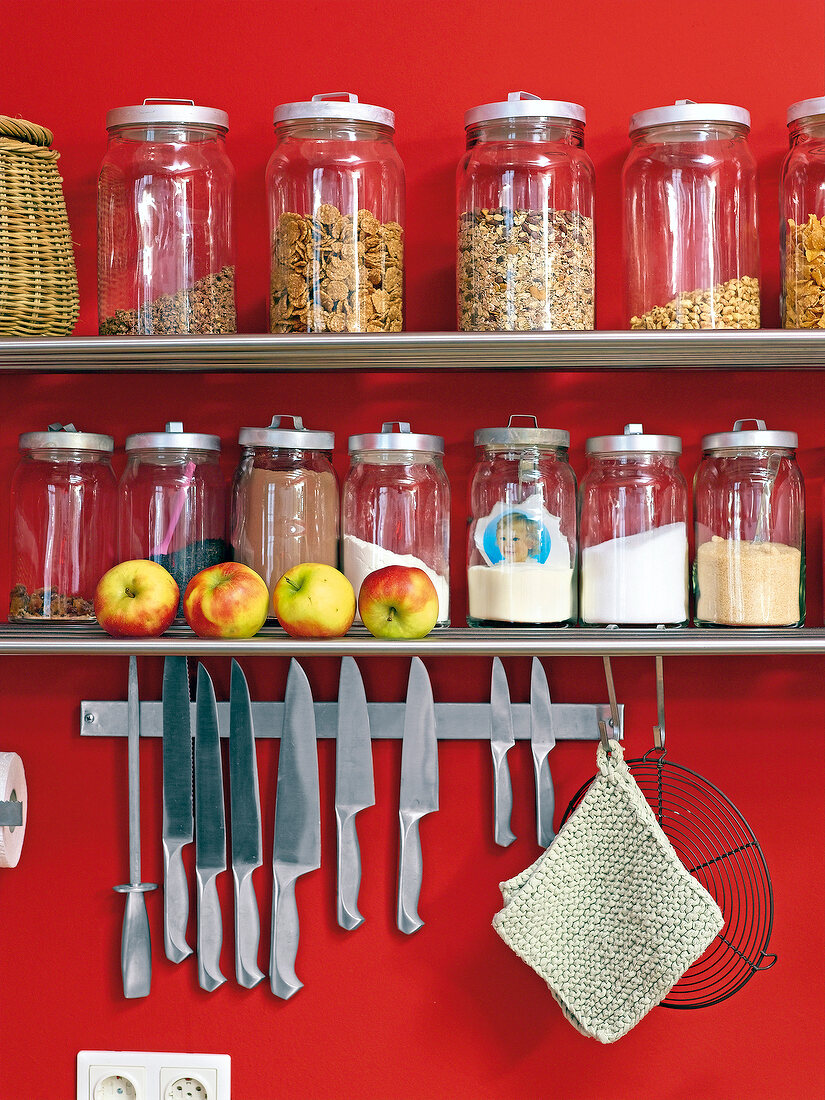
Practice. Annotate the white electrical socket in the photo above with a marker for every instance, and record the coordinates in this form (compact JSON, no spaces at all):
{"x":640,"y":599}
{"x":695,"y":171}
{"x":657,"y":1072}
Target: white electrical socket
{"x":150,"y":1075}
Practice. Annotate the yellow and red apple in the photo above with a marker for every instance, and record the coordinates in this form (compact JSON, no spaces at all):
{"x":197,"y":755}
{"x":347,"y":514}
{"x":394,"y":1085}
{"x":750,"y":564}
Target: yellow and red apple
{"x":398,"y":601}
{"x":313,"y":600}
{"x":228,"y":600}
{"x":136,"y":599}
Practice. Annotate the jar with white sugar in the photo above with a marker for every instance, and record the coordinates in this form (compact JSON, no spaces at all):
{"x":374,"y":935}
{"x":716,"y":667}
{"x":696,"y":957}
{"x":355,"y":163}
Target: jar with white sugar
{"x":633,"y":531}
{"x":521,"y":552}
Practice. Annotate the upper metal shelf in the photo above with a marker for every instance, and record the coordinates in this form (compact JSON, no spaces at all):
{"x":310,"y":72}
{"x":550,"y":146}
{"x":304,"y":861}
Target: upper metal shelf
{"x":761,"y":349}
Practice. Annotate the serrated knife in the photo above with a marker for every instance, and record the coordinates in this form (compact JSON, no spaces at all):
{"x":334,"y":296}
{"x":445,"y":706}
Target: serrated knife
{"x":354,"y":786}
{"x":178,"y":823}
{"x":419,"y":790}
{"x":210,"y":832}
{"x":245,"y":820}
{"x":501,"y":741}
{"x":542,"y":741}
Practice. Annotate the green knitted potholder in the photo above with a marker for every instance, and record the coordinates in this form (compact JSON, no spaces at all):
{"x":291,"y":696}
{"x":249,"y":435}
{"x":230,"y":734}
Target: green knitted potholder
{"x":608,"y":915}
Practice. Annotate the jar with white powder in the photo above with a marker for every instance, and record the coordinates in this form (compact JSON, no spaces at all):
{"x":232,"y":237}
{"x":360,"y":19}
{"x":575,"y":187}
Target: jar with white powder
{"x":396,"y":508}
{"x":521,"y":553}
{"x":633,"y":531}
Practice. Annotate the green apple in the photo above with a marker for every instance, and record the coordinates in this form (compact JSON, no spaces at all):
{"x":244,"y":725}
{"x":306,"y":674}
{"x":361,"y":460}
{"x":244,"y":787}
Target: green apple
{"x":398,"y":601}
{"x":312,"y":600}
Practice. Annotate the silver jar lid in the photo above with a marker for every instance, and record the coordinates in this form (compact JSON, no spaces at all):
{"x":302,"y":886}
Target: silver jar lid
{"x":65,"y":437}
{"x":806,"y":108}
{"x":525,"y":105}
{"x":401,"y":440}
{"x":167,"y":112}
{"x":296,"y":438}
{"x":742,"y":437}
{"x":633,"y":439}
{"x":521,"y":435}
{"x":335,"y":105}
{"x":174,"y":438}
{"x":687,"y":110}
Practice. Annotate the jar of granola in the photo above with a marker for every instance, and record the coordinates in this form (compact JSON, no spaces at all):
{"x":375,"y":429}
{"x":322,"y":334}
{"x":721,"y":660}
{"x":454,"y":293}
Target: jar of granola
{"x":335,"y":186}
{"x":525,"y":218}
{"x":691,"y":247}
{"x":802,"y":231}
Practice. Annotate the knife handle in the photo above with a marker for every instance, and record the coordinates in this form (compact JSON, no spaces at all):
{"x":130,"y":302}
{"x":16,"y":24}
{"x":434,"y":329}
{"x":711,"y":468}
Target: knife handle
{"x":545,"y":799}
{"x":135,"y":943}
{"x":285,"y":930}
{"x":410,"y":872}
{"x":349,"y":869}
{"x":175,"y":903}
{"x":503,"y":795}
{"x":210,"y":931}
{"x":247,"y":930}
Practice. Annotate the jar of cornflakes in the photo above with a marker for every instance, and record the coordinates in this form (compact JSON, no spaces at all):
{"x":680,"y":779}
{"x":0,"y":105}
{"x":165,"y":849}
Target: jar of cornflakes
{"x":802,"y":200}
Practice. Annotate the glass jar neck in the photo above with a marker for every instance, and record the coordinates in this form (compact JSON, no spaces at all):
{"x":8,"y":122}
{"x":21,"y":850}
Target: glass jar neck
{"x":60,"y":455}
{"x":332,"y":129}
{"x":689,"y":132}
{"x":807,"y":129}
{"x":293,"y":454}
{"x":166,"y":134}
{"x":516,"y":452}
{"x":172,"y":456}
{"x":396,"y":458}
{"x":561,"y":131}
{"x":750,"y":452}
{"x":635,"y":458}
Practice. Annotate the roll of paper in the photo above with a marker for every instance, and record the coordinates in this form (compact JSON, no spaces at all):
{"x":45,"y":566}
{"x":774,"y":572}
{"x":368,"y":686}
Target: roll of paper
{"x":12,"y":788}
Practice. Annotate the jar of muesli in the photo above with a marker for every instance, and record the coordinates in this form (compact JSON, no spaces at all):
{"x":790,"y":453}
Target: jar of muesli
{"x":803,"y":217}
{"x":525,"y":218}
{"x":335,"y":186}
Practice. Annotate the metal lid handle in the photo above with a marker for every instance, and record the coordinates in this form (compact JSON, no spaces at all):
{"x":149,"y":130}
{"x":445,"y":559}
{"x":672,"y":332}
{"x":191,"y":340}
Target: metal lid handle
{"x":350,"y":97}
{"x":297,"y":421}
{"x":516,"y":97}
{"x":522,"y":416}
{"x":170,"y":99}
{"x":738,"y":425}
{"x":388,"y":425}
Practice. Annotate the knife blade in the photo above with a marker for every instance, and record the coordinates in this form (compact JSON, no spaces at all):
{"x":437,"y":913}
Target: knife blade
{"x":501,"y":741}
{"x":245,"y":817}
{"x":210,"y":832}
{"x":542,"y":741}
{"x":297,"y":845}
{"x":354,"y":786}
{"x":419,"y":790}
{"x":178,"y":822}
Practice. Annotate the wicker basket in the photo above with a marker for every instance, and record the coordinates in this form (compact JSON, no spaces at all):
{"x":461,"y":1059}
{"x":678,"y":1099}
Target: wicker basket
{"x":38,"y":279}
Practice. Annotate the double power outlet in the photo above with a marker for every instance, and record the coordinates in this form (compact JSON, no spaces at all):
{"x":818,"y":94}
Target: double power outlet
{"x":136,"y":1075}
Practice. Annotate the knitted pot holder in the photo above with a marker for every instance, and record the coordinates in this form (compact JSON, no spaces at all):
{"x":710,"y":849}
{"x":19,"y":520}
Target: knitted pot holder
{"x":608,"y":915}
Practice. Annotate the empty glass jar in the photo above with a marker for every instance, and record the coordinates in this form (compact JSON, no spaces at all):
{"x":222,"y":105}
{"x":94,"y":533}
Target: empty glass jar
{"x":802,"y":199}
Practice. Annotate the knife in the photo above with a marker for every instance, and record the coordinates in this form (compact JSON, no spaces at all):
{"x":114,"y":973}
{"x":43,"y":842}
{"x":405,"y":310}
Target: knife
{"x":542,"y":740}
{"x":354,"y":786}
{"x":245,"y":815}
{"x":210,"y":833}
{"x":297,"y":845}
{"x":178,"y":824}
{"x":419,"y":790}
{"x":501,"y":741}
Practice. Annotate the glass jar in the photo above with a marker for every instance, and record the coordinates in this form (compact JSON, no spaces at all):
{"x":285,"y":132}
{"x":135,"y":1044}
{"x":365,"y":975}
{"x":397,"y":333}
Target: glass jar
{"x":802,"y":230}
{"x":63,"y":503}
{"x":166,"y":256}
{"x":633,"y":516}
{"x":691,"y":245}
{"x":525,"y":218}
{"x":284,"y":499}
{"x":749,"y":501}
{"x":335,"y":187}
{"x":521,"y":549}
{"x":172,"y":502}
{"x":396,"y":508}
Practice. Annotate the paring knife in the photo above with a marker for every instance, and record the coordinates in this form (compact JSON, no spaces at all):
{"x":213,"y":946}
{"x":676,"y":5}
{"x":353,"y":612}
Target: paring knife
{"x":542,"y":741}
{"x":419,"y":790}
{"x":501,"y":741}
{"x":245,"y":817}
{"x":178,"y":823}
{"x":297,"y":846}
{"x":354,"y":786}
{"x":210,"y":833}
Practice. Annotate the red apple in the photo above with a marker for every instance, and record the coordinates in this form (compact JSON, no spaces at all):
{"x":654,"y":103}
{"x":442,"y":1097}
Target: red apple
{"x":228,"y":600}
{"x":313,"y":600}
{"x":399,"y":601}
{"x":136,"y":599}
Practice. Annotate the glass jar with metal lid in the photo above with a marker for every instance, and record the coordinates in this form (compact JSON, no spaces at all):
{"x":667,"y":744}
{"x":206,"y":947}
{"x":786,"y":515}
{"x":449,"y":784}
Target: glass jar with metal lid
{"x":525,"y":218}
{"x":802,"y":200}
{"x":691,"y":245}
{"x":633,"y":514}
{"x":172,"y":502}
{"x":396,"y":508}
{"x":521,"y":548}
{"x":166,"y":254}
{"x":749,"y":504}
{"x":285,"y":499}
{"x":63,"y":503}
{"x":335,"y":187}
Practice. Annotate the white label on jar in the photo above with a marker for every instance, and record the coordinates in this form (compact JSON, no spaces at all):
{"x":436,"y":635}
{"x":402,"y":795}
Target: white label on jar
{"x":361,"y":558}
{"x":521,"y":592}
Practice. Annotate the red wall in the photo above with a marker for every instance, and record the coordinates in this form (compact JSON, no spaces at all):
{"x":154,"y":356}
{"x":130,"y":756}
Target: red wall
{"x":449,"y":1012}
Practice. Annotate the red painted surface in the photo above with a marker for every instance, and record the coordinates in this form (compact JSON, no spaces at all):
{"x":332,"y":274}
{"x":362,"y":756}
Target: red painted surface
{"x":449,"y":1012}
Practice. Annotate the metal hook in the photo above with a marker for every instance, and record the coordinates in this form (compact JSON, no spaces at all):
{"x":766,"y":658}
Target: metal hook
{"x":659,"y":730}
{"x":615,"y":720}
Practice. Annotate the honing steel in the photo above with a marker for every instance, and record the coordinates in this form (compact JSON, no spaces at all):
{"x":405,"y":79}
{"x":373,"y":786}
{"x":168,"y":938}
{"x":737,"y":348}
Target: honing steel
{"x":297,"y":845}
{"x":245,"y":817}
{"x":210,"y":833}
{"x":542,"y":741}
{"x":419,"y":790}
{"x":354,"y":786}
{"x":501,"y":741}
{"x":135,"y":944}
{"x":178,"y":823}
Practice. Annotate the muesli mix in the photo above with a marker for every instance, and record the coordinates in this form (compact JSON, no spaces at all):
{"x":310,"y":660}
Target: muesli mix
{"x":734,"y":304}
{"x":206,"y":308}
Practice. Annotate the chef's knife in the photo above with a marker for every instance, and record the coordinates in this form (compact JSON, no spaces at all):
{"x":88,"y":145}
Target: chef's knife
{"x":210,"y":833}
{"x":542,"y":740}
{"x":178,"y":824}
{"x":354,"y":786}
{"x":419,"y":790}
{"x":245,"y":816}
{"x":297,"y":845}
{"x":501,"y":741}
